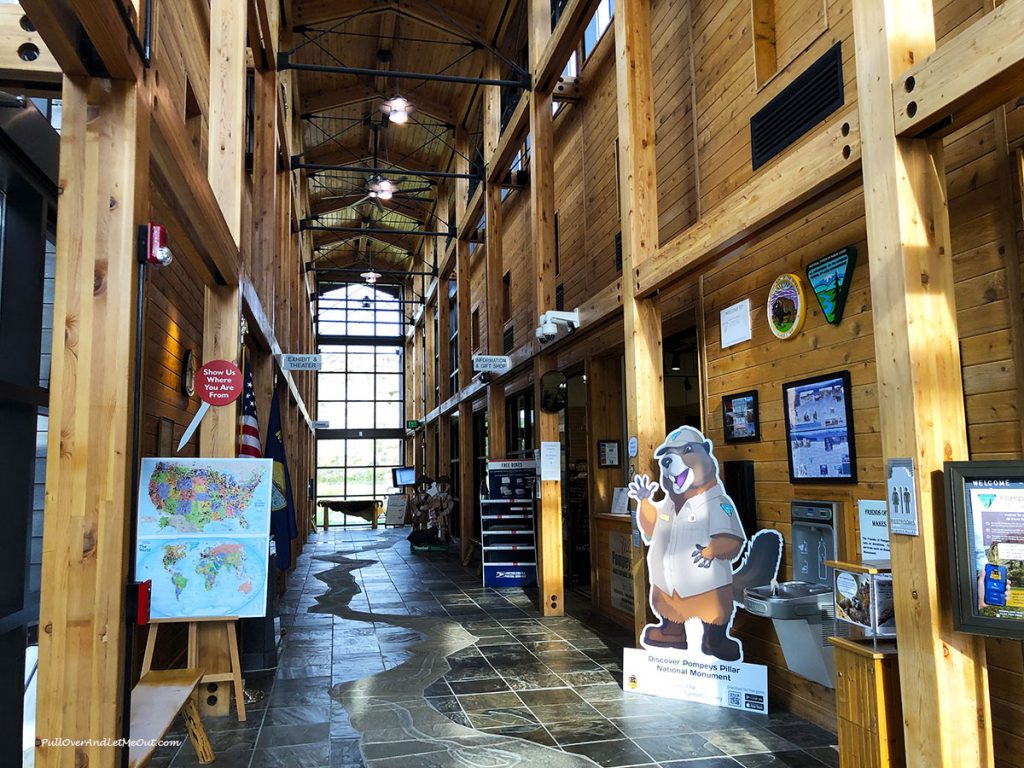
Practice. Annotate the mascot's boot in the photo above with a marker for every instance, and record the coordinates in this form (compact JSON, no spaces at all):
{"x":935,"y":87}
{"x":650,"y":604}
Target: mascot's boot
{"x":668,"y":634}
{"x":718,"y":644}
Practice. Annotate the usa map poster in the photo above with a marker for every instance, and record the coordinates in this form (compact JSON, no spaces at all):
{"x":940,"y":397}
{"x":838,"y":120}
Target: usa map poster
{"x":203,"y":536}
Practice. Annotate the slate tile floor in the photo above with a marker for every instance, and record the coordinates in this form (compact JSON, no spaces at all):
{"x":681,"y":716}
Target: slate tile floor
{"x":400,"y":660}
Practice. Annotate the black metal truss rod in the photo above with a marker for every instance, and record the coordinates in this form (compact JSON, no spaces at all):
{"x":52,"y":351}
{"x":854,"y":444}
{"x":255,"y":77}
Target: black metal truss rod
{"x":298,"y":164}
{"x":361,"y":270}
{"x":283,"y":63}
{"x":306,"y":226}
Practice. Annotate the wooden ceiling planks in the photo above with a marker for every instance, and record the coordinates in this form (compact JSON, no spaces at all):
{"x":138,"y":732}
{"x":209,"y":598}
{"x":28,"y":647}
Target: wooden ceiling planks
{"x":426,"y":36}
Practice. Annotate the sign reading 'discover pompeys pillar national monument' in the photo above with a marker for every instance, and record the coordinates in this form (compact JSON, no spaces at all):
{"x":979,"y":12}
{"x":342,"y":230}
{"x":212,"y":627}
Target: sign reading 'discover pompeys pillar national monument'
{"x":694,"y":538}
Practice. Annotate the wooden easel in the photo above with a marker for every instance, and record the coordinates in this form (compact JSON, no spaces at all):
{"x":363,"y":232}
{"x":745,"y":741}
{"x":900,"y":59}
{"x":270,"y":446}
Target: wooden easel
{"x":234,"y":675}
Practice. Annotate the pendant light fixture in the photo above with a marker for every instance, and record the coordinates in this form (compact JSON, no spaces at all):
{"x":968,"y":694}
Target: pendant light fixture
{"x":398,"y":110}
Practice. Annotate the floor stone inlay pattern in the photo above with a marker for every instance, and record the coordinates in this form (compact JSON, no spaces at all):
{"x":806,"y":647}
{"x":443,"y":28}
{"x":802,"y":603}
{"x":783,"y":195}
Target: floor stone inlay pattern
{"x":394,"y":659}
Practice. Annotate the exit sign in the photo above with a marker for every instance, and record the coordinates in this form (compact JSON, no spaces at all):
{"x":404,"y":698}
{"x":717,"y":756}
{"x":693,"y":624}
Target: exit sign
{"x":413,"y":424}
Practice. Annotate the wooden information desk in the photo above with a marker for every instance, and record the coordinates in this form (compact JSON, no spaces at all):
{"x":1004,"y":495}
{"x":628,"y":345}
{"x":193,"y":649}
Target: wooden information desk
{"x":606,"y":586}
{"x":868,"y":704}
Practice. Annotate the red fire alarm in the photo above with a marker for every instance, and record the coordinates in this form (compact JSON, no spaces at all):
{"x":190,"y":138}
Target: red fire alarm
{"x":153,"y":248}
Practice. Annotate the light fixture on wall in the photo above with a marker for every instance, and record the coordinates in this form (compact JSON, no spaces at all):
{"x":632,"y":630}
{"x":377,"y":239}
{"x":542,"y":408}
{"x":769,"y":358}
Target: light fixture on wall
{"x":675,"y":365}
{"x":397,"y":109}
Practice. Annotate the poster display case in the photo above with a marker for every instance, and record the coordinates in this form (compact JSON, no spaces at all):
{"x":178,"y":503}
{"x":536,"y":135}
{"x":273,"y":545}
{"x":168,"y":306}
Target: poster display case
{"x":985,"y":508}
{"x":819,"y":429}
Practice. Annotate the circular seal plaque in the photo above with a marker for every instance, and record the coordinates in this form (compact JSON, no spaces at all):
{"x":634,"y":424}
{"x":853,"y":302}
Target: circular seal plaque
{"x":787,"y":306}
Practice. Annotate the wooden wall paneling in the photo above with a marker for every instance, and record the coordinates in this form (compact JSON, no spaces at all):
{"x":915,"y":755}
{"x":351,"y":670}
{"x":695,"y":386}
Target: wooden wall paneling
{"x":104,"y":180}
{"x":444,"y":360}
{"x":645,"y":396}
{"x":227,"y":108}
{"x":550,"y":576}
{"x":942,"y":673}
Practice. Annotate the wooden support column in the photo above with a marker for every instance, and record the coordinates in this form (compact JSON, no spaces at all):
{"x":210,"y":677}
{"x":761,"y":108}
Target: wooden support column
{"x":921,"y":402}
{"x":265,"y":217}
{"x":104,"y":178}
{"x":645,"y":394}
{"x":430,"y":401}
{"x":542,"y":219}
{"x":226,"y":166}
{"x":467,"y":489}
{"x":494,"y":264}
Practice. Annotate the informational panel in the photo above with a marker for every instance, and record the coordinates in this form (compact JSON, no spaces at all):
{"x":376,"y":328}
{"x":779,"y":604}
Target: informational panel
{"x":395,"y":509}
{"x":692,"y":676}
{"x":550,"y":461}
{"x":620,"y":501}
{"x":874,"y":530}
{"x":735,"y":324}
{"x":203,"y":536}
{"x":621,"y":581}
{"x":511,"y":479}
{"x":996,"y":534}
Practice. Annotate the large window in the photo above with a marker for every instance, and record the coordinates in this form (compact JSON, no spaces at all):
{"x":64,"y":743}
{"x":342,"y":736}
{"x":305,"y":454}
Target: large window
{"x":360,"y":390}
{"x":598,"y":24}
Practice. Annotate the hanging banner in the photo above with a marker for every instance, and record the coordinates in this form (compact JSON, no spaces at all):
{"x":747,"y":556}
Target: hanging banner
{"x":694,"y":541}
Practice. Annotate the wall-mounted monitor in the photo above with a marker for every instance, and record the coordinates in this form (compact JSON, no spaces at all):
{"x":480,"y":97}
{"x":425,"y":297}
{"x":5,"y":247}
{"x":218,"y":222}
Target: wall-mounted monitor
{"x":985,"y":512}
{"x":403,"y":476}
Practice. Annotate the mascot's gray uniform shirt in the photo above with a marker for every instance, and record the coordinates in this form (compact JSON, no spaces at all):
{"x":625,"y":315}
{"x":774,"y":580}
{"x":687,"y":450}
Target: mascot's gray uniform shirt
{"x":670,"y":557}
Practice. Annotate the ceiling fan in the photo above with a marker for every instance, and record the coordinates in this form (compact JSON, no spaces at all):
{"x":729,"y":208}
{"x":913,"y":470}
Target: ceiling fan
{"x":379,"y":187}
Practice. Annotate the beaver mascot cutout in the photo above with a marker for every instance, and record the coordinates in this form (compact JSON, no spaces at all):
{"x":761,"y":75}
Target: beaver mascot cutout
{"x":694,"y":536}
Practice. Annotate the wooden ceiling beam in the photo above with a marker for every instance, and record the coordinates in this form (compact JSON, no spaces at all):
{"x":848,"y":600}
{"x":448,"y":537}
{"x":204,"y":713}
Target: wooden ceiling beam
{"x":333,"y":153}
{"x":44,"y":69}
{"x":968,"y":76}
{"x":452,"y":22}
{"x":358,"y":93}
{"x":418,"y":212}
{"x":395,"y":237}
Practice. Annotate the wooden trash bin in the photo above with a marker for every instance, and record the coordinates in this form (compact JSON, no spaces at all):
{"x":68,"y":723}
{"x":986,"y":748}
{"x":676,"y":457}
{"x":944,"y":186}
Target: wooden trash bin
{"x":868,"y":704}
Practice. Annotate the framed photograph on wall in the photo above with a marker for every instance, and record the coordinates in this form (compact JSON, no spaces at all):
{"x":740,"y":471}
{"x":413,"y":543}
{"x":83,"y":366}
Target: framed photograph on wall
{"x":819,"y":429}
{"x":608,"y":453}
{"x":740,"y":417}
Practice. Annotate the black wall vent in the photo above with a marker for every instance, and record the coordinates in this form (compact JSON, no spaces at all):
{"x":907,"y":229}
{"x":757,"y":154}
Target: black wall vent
{"x":508,"y":341}
{"x":560,"y":297}
{"x":813,"y":96}
{"x":618,"y":252}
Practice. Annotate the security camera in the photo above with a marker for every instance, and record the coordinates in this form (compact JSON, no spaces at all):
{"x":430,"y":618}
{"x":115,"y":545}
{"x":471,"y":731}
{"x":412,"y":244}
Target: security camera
{"x":547,"y":332}
{"x":551,"y":320}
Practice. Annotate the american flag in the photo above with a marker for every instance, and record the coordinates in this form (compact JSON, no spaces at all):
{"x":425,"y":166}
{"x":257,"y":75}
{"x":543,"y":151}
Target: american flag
{"x":248,"y":424}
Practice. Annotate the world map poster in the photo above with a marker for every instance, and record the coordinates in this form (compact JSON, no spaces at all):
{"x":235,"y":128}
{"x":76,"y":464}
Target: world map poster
{"x":203,"y":536}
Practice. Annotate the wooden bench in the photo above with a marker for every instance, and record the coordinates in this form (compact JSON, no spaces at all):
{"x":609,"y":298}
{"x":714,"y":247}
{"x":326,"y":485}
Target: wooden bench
{"x":157,"y":699}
